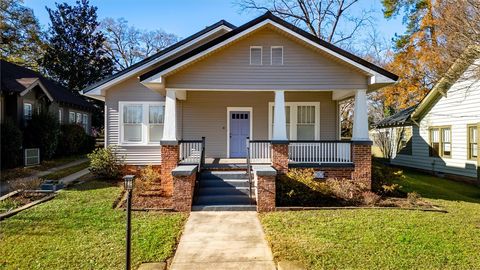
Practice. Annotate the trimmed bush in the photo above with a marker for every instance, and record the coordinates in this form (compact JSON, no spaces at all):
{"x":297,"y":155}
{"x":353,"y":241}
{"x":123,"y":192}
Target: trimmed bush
{"x":73,"y":140}
{"x":383,"y":175}
{"x":105,"y":163}
{"x":11,"y":138}
{"x":42,"y":132}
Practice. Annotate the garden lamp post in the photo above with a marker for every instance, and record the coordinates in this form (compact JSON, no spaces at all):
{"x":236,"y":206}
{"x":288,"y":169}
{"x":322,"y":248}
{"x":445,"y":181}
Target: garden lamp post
{"x":128,"y":187}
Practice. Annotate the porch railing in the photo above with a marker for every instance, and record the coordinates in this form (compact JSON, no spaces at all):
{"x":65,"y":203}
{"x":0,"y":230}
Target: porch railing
{"x":259,"y":151}
{"x":320,"y":152}
{"x":192,"y":152}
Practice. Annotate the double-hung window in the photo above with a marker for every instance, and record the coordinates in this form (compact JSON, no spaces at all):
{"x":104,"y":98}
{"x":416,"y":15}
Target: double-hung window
{"x":472,"y":142}
{"x":142,"y":122}
{"x":79,"y":118}
{"x":85,"y":122}
{"x":71,"y":117}
{"x":441,"y":141}
{"x":27,"y":111}
{"x":302,"y":120}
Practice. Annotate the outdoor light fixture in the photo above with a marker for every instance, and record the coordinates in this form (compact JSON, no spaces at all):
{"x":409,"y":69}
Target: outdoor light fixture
{"x":128,"y":187}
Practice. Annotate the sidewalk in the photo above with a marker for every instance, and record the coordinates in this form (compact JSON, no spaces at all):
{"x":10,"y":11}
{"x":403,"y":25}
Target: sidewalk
{"x":223,"y":240}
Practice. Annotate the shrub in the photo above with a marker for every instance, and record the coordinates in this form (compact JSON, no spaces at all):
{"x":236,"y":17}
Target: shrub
{"x":42,"y":132}
{"x":348,"y":190}
{"x":413,"y":198}
{"x":147,"y":177}
{"x":370,"y":198}
{"x":11,"y":138}
{"x":105,"y":163}
{"x":384,"y":175}
{"x":74,"y":140}
{"x":25,"y":183}
{"x":299,"y":188}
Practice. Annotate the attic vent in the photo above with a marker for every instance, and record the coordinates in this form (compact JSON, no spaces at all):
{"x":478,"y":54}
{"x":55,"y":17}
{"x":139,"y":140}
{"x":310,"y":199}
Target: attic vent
{"x":255,"y":55}
{"x":32,"y":156}
{"x":276,"y":55}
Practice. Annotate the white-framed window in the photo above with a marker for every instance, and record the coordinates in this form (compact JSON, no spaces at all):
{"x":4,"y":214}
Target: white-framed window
{"x":303,"y":120}
{"x":85,"y":122}
{"x":71,"y":117}
{"x":276,"y":55}
{"x":79,"y":118}
{"x":256,"y":55}
{"x":60,"y":116}
{"x":141,"y":122}
{"x":27,"y":110}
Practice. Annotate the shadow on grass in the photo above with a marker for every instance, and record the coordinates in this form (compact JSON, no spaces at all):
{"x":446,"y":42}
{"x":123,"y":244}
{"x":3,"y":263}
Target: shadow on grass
{"x":94,"y":184}
{"x":433,"y":187}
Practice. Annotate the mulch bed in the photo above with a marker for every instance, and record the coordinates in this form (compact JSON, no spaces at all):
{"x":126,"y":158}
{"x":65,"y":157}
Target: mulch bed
{"x":148,"y":198}
{"x":18,"y":201}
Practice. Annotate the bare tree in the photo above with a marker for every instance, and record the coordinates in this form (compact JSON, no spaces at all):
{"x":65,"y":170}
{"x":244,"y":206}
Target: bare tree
{"x":389,"y":140}
{"x":127,"y":45}
{"x":331,"y":20}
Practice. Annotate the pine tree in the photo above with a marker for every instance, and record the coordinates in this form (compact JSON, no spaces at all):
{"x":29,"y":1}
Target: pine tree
{"x":75,"y":56}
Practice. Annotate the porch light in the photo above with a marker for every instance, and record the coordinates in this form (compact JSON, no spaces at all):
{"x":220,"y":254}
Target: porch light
{"x":128,"y":182}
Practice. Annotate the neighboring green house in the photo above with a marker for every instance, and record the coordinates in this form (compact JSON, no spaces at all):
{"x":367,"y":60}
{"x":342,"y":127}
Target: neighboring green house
{"x":24,"y":91}
{"x":445,"y":124}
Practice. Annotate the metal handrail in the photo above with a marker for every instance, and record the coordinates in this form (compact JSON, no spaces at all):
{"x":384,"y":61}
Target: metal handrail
{"x":249,"y":171}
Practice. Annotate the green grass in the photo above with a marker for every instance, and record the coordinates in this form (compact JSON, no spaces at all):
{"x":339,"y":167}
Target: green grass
{"x":67,"y":171}
{"x":80,"y":230}
{"x":385,"y":239}
{"x":8,"y":204}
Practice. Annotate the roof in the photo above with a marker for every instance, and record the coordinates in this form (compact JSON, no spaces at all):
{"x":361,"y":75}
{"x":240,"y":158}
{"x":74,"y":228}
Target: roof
{"x":402,"y":118}
{"x":269,"y":16}
{"x":160,"y":53}
{"x":16,"y":79}
{"x":452,"y":75}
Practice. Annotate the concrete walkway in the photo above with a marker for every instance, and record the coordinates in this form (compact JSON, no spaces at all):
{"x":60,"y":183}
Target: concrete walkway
{"x":67,"y":180}
{"x":223,"y":240}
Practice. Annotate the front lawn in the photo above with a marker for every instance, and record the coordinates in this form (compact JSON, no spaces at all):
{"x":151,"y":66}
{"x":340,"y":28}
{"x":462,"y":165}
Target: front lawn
{"x":385,"y":239}
{"x":80,"y":230}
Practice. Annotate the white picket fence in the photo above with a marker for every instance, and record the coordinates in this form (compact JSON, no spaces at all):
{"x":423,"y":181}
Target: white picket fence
{"x":320,"y":152}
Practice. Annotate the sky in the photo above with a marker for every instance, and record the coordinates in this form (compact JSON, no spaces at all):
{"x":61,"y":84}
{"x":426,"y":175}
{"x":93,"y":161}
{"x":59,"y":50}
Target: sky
{"x":185,"y":17}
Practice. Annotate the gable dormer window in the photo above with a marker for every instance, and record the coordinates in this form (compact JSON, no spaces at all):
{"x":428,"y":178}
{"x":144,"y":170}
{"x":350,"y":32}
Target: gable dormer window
{"x":256,"y":55}
{"x":276,"y":55}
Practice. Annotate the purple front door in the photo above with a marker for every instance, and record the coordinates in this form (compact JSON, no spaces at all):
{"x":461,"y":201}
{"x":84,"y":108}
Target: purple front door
{"x":239,"y":131}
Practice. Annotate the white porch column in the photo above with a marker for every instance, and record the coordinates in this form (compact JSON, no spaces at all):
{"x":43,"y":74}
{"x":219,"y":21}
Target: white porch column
{"x":170,"y":122}
{"x":360,"y":117}
{"x":279,"y":118}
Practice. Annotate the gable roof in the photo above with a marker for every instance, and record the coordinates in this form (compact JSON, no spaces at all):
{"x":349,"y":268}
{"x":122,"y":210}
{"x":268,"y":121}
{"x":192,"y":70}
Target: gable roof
{"x":269,"y":16}
{"x":160,"y":54}
{"x":19,"y":80}
{"x":410,"y":115}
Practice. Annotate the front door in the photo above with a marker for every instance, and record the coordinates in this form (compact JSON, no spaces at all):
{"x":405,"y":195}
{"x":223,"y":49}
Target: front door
{"x":239,"y":131}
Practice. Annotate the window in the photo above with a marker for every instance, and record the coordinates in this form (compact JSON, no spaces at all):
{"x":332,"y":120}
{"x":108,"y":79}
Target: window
{"x":60,"y":116}
{"x":302,"y":120}
{"x":256,"y":55}
{"x":440,"y":142}
{"x":276,"y":55}
{"x":71,"y":117}
{"x":155,"y":120}
{"x":79,"y":118}
{"x":27,"y":111}
{"x":472,"y":142}
{"x":85,"y":122}
{"x":141,"y":123}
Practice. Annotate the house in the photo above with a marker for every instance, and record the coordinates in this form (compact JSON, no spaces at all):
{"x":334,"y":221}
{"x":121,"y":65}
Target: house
{"x":265,"y":92}
{"x":24,"y":91}
{"x":445,"y":124}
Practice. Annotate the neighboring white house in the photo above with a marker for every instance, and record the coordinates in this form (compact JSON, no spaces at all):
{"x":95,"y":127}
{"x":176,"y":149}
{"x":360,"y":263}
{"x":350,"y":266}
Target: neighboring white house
{"x":445,"y":125}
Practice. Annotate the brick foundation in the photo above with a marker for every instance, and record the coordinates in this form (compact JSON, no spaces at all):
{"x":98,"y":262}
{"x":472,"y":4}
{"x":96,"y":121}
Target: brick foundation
{"x":183,"y":187}
{"x":280,"y":157}
{"x":265,"y":179}
{"x":362,"y":158}
{"x":170,"y":157}
{"x":337,"y":172}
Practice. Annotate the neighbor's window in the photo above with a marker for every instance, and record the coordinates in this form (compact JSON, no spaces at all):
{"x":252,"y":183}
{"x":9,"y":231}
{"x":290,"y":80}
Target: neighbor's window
{"x":472,"y":142}
{"x":85,"y":122}
{"x":276,"y":55}
{"x":79,"y":118}
{"x":27,"y":111}
{"x":142,"y":123}
{"x":440,"y":141}
{"x":60,"y":115}
{"x":155,"y":121}
{"x":302,"y":120}
{"x":71,"y":117}
{"x":256,"y":55}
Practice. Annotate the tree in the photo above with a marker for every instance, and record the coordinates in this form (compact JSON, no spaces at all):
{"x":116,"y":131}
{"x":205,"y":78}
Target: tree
{"x":21,"y":35}
{"x":331,"y":20}
{"x":126,"y":45}
{"x":75,"y":55}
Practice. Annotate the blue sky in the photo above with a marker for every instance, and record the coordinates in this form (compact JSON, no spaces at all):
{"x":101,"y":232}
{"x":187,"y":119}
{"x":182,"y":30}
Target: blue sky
{"x":185,"y":17}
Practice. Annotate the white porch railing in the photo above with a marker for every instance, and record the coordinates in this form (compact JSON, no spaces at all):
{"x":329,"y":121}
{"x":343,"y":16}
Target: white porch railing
{"x":320,"y":152}
{"x":192,"y":151}
{"x":260,"y":151}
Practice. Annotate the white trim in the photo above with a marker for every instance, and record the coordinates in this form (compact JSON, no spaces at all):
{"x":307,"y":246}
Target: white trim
{"x":293,"y":118}
{"x":145,"y":105}
{"x":35,"y":83}
{"x":105,"y":127}
{"x":271,"y":54}
{"x":238,"y":109}
{"x":97,"y":91}
{"x":261,"y":55}
{"x":259,"y":25}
